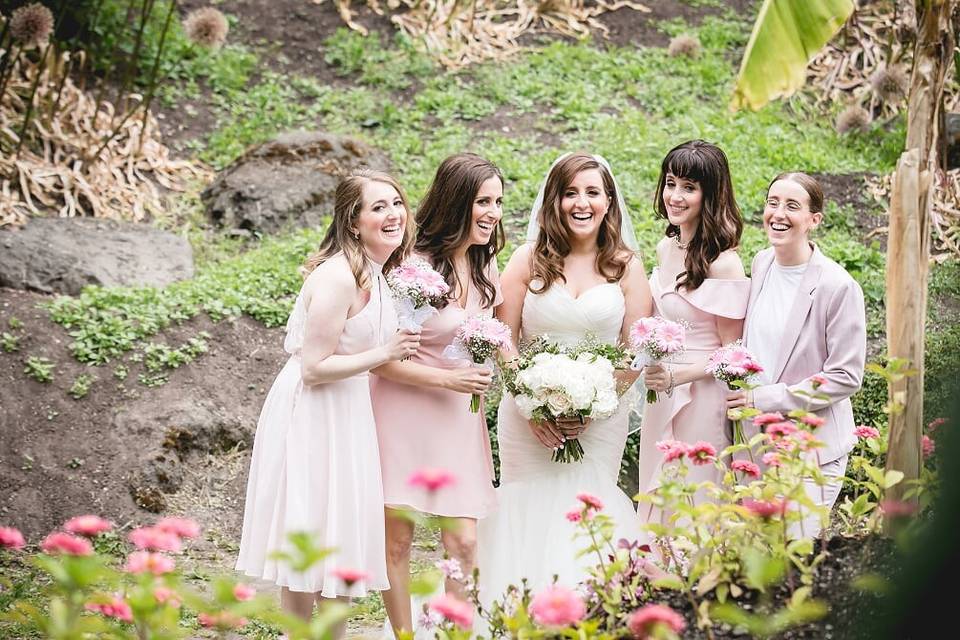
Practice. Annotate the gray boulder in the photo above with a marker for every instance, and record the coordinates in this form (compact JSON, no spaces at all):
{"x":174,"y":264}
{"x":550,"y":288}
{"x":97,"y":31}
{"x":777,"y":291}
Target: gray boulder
{"x":287,"y":182}
{"x":62,"y":255}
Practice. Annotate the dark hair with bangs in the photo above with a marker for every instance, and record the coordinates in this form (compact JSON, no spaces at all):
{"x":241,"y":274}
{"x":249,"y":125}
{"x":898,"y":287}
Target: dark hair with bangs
{"x":720,"y":224}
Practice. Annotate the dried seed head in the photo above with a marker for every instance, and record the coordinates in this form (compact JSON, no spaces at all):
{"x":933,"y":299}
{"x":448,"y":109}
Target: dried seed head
{"x":31,"y":25}
{"x":206,"y":27}
{"x":890,"y":84}
{"x":853,"y":118}
{"x":684,"y":45}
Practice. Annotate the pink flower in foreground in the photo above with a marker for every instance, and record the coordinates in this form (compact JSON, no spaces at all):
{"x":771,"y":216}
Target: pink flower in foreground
{"x":431,"y":479}
{"x":243,"y":592}
{"x":221,"y":620}
{"x":574,"y":515}
{"x":765,"y":509}
{"x":591,"y":501}
{"x":928,"y":446}
{"x":557,"y":606}
{"x":154,"y":539}
{"x":772,"y":459}
{"x":11,"y":538}
{"x":180,"y":527}
{"x":702,"y":452}
{"x":67,"y":544}
{"x":779,"y":430}
{"x":88,"y":525}
{"x":116,"y":608}
{"x":167,"y":596}
{"x":817,"y":381}
{"x":647,"y":619}
{"x":672,"y":449}
{"x":147,"y":562}
{"x":813,"y":421}
{"x":897,"y":508}
{"x":349,"y":576}
{"x":747,"y":467}
{"x":767,"y":418}
{"x":865,"y":432}
{"x":453,"y":609}
{"x":450,"y":567}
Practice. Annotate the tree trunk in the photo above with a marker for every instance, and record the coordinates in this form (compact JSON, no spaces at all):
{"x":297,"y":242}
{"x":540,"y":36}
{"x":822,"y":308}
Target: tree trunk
{"x":908,"y":251}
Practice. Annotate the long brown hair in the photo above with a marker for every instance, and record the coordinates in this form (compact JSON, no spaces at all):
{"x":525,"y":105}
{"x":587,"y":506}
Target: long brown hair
{"x":720,"y":224}
{"x":347,"y":203}
{"x":809,"y":184}
{"x":553,"y":242}
{"x":445,"y":218}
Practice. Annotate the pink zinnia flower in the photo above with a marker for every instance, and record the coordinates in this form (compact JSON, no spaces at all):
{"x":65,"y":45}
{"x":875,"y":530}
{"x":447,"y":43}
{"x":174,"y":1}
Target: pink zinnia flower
{"x":865,"y":432}
{"x":221,"y":620}
{"x":747,"y":467}
{"x":574,"y":515}
{"x":88,"y":525}
{"x":928,"y":446}
{"x":147,"y":562}
{"x":767,"y":418}
{"x":778,"y":430}
{"x":701,"y":452}
{"x":672,"y":449}
{"x":153,"y":539}
{"x":11,"y":538}
{"x":557,"y":606}
{"x":647,"y":619}
{"x":167,"y":596}
{"x":813,"y":421}
{"x":897,"y":508}
{"x":67,"y":544}
{"x":453,"y":609}
{"x":349,"y":576}
{"x":431,"y":479}
{"x":935,"y":424}
{"x":817,"y":381}
{"x":116,"y":608}
{"x":591,"y":501}
{"x":772,"y":459}
{"x":180,"y":527}
{"x":765,"y":509}
{"x":243,"y":592}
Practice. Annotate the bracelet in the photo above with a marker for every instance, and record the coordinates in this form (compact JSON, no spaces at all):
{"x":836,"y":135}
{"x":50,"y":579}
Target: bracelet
{"x":669,"y":391}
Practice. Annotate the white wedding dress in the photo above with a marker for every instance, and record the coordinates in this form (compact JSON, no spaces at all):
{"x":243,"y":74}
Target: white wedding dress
{"x":529,"y":536}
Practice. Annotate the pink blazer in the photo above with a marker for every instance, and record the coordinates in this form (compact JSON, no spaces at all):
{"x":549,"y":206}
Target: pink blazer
{"x":826,"y":335}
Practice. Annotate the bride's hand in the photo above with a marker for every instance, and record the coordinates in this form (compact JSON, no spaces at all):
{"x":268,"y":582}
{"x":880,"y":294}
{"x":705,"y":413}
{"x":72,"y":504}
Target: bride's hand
{"x":547,"y":433}
{"x":656,"y":377}
{"x":572,"y":427}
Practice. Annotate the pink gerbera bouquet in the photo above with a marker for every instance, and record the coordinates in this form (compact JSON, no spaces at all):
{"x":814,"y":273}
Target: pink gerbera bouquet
{"x":654,"y":339}
{"x":736,"y":367}
{"x":476,"y":340}
{"x":418,"y":290}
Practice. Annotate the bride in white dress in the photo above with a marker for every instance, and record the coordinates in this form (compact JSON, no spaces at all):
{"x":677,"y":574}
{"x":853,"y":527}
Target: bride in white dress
{"x":577,"y":276}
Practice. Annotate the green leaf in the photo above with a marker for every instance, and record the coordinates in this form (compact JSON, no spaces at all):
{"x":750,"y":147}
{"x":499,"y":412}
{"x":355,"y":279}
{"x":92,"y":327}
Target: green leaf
{"x":786,"y":36}
{"x":893,"y":477}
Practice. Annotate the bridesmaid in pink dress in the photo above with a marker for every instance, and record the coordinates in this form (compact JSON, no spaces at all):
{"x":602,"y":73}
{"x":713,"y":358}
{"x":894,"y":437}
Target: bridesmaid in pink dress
{"x":422,"y":405}
{"x":698,"y":279}
{"x":315,"y":466}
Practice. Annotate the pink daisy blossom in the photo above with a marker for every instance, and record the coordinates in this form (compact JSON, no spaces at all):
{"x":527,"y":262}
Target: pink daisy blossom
{"x":66,"y":544}
{"x":147,"y":562}
{"x":180,"y":527}
{"x":453,"y":609}
{"x":702,"y":452}
{"x":747,"y":467}
{"x":243,"y":592}
{"x":166,"y":596}
{"x":574,"y":515}
{"x":349,"y":576}
{"x":672,"y":449}
{"x":813,"y":421}
{"x":644,"y":622}
{"x":643,"y":328}
{"x":767,"y":418}
{"x":557,"y":606}
{"x":772,"y":459}
{"x":154,"y":539}
{"x":778,"y":430}
{"x":897,"y":508}
{"x":817,"y":381}
{"x":732,"y":363}
{"x":590,"y":501}
{"x":221,"y":620}
{"x":11,"y":538}
{"x":671,"y":336}
{"x":89,"y":525}
{"x":116,"y":608}
{"x":928,"y":446}
{"x":431,"y":479}
{"x":765,"y":509}
{"x":865,"y":432}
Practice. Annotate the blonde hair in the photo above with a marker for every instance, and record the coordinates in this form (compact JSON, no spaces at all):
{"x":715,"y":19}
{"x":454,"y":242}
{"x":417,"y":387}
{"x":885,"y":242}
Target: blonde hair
{"x":347,"y":204}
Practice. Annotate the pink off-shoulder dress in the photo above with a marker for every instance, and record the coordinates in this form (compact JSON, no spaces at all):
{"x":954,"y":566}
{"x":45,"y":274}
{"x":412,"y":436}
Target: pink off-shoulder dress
{"x":420,"y":427}
{"x":696,"y":410}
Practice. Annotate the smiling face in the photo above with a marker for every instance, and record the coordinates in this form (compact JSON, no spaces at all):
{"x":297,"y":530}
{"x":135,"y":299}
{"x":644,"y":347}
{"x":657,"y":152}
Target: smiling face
{"x":683,"y":200}
{"x":787,"y":218}
{"x":381,"y":221}
{"x":585,"y":203}
{"x":486,"y":212}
